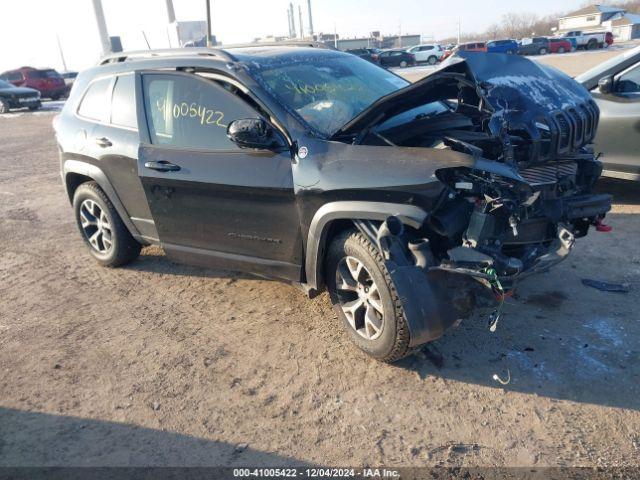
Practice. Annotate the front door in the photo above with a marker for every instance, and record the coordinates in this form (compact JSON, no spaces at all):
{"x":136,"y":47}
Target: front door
{"x":213,"y":203}
{"x":618,"y":135}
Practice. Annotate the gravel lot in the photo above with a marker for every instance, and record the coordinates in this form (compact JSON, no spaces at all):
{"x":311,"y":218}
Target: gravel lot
{"x":161,"y":364}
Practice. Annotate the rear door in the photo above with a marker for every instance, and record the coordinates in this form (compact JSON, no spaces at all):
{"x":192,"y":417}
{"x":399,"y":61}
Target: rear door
{"x":213,"y":203}
{"x":618,"y":136}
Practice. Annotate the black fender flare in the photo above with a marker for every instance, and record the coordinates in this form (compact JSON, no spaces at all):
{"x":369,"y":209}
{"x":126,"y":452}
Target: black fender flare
{"x":410,"y":215}
{"x":96,"y":174}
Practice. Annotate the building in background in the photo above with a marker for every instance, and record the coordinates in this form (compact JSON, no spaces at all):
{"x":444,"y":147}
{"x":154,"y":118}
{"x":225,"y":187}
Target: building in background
{"x":625,"y":27}
{"x":188,"y":34}
{"x":598,"y":18}
{"x":375,"y":40}
{"x":589,"y":19}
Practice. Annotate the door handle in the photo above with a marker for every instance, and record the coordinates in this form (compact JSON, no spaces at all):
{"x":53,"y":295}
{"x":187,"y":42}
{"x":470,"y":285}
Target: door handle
{"x":162,"y":166}
{"x":103,"y":142}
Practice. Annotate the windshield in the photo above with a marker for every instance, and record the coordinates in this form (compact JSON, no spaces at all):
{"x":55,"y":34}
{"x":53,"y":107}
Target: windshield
{"x":327,"y":92}
{"x":4,"y":84}
{"x":44,"y":74}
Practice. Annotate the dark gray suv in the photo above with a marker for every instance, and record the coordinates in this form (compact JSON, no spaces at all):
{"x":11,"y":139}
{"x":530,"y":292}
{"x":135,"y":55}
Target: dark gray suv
{"x":319,"y":168}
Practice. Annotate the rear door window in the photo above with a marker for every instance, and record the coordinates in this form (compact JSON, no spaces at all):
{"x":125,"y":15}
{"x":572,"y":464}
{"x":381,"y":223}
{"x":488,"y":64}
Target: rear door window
{"x":123,"y":102}
{"x":95,"y":103}
{"x":190,"y":112}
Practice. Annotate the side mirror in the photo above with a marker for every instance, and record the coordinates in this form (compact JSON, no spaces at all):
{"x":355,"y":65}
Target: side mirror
{"x":605,"y":84}
{"x":253,"y":133}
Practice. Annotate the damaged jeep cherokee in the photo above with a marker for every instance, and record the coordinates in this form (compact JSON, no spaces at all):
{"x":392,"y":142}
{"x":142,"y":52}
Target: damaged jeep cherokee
{"x":319,"y":168}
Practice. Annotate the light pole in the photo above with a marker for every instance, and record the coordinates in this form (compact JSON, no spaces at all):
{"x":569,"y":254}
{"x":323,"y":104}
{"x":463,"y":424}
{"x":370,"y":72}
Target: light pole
{"x":102,"y":27}
{"x":208,"y":23}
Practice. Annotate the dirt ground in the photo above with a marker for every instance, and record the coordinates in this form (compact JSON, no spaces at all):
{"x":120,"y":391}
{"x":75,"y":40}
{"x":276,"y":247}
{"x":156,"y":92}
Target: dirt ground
{"x":161,"y":364}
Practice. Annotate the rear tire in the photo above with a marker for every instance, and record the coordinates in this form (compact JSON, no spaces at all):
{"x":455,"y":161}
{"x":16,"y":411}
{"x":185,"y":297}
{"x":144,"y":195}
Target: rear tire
{"x":106,"y":236}
{"x":432,"y":60}
{"x":561,"y":50}
{"x":403,"y":64}
{"x":592,"y":44}
{"x":388,"y":339}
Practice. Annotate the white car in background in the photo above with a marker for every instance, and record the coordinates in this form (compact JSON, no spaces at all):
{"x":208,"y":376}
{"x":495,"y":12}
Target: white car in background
{"x":428,"y":53}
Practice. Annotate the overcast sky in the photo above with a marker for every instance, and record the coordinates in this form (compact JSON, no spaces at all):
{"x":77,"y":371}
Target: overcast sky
{"x":28,"y":34}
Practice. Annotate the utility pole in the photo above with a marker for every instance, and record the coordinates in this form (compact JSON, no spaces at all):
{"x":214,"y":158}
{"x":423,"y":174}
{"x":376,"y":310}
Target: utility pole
{"x":289,"y":21}
{"x":171,"y":13}
{"x":293,"y":21}
{"x":102,"y":27}
{"x":310,"y":19}
{"x":208,"y":2}
{"x":300,"y":17}
{"x":64,"y":64}
{"x":459,"y":22}
{"x":335,"y":36}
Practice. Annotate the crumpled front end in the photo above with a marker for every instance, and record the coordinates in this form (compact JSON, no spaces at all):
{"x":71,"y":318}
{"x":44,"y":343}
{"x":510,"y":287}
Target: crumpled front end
{"x":526,"y":194}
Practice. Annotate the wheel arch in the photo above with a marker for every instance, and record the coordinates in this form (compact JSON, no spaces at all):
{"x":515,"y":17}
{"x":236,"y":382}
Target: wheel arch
{"x":76,"y":172}
{"x":333,"y":218}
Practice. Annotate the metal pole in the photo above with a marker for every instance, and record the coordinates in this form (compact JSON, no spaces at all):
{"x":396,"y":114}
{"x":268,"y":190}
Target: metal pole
{"x":310,"y":19}
{"x":171,"y":13}
{"x":208,"y":22}
{"x":459,"y":21}
{"x":293,"y":21}
{"x":64,"y":64}
{"x":102,"y":27}
{"x":335,"y":36}
{"x":146,"y":41}
{"x":300,"y":16}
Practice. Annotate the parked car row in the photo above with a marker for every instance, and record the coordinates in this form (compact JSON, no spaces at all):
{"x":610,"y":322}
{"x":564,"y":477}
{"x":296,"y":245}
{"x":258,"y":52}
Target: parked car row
{"x":386,"y":58}
{"x":25,"y":86}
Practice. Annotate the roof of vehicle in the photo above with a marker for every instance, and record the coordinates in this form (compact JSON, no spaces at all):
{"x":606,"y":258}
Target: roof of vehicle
{"x":229,"y":53}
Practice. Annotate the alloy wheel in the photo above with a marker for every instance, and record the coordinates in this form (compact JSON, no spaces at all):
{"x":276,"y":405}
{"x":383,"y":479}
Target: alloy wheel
{"x":96,"y":226}
{"x":359,"y":298}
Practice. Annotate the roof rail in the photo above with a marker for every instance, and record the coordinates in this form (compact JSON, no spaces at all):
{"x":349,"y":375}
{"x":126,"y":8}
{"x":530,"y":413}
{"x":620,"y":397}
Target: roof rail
{"x":168,"y":52}
{"x":203,"y":51}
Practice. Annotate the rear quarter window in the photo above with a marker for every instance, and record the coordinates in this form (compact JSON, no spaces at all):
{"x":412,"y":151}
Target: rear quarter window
{"x":95,"y":103}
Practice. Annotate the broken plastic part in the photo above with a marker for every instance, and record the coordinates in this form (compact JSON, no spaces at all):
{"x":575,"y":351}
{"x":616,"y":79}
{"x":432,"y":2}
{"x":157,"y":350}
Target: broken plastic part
{"x":602,"y":227}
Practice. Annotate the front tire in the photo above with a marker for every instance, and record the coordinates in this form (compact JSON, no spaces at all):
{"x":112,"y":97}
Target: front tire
{"x":106,"y":236}
{"x":403,"y":64}
{"x":365,"y":297}
{"x":561,"y":50}
{"x":543,"y":51}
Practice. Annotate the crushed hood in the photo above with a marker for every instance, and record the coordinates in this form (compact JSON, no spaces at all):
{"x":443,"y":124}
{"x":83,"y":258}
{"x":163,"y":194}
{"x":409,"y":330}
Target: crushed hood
{"x":519,"y":90}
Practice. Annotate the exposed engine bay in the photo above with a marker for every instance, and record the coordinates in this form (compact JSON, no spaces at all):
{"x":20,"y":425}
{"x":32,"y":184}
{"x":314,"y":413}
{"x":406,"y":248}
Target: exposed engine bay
{"x":528,"y":127}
